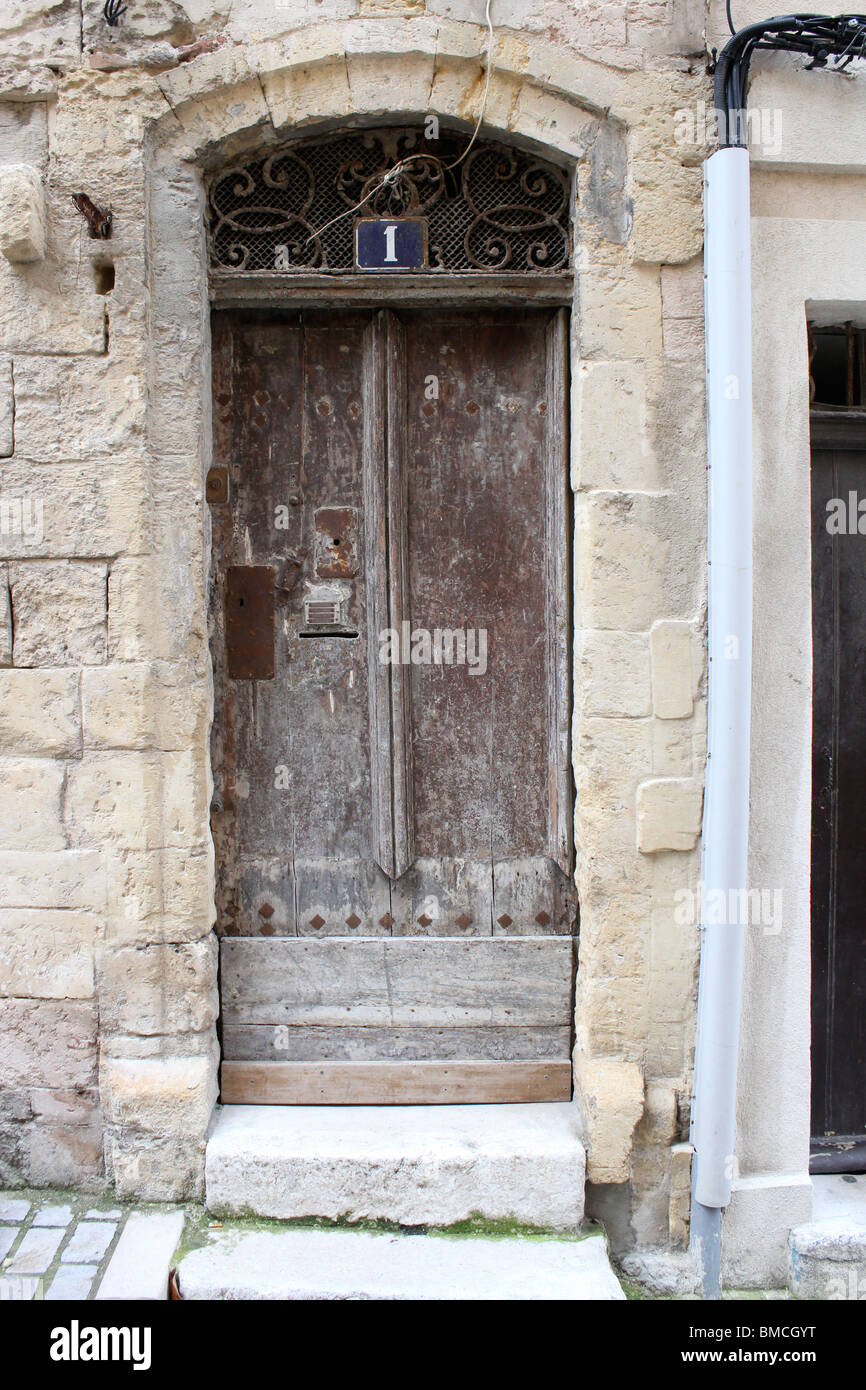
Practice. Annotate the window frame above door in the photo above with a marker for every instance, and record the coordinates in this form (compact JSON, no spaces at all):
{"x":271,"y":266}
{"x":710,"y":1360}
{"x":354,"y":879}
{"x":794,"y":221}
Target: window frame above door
{"x":367,"y":290}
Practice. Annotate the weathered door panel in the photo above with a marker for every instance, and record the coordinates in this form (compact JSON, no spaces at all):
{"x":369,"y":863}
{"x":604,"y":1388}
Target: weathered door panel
{"x":412,"y":1002}
{"x":358,"y":799}
{"x":487,"y":558}
{"x":838,"y":802}
{"x":291,"y":756}
{"x":385,"y":502}
{"x":477,"y":561}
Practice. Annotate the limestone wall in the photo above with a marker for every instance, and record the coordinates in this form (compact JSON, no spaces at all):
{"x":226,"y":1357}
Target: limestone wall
{"x":107,"y":959}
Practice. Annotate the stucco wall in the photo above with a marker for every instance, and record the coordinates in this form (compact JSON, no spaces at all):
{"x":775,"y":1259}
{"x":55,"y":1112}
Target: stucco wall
{"x":808,"y":209}
{"x":107,"y":959}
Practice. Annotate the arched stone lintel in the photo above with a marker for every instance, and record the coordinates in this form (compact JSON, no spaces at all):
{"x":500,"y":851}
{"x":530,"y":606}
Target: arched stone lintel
{"x":423,"y":42}
{"x":221,"y":107}
{"x":231,"y":100}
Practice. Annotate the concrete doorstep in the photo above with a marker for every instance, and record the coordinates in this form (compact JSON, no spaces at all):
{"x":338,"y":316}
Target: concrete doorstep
{"x":421,"y":1166}
{"x":316,"y":1265}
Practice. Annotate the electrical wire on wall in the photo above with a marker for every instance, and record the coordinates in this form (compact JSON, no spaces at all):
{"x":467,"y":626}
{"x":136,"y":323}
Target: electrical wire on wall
{"x":112,"y":10}
{"x":392,"y":178}
{"x":834,"y":40}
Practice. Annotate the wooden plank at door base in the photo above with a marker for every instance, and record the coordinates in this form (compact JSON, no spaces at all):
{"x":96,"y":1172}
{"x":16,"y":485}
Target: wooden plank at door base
{"x":394,"y":1083}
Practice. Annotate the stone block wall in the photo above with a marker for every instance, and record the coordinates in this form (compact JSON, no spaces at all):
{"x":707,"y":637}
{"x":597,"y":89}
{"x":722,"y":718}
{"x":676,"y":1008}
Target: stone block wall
{"x":107,"y":960}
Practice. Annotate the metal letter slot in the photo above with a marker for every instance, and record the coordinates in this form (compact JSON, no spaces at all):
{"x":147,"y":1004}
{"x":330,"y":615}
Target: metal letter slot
{"x":250,"y":628}
{"x":325,"y":613}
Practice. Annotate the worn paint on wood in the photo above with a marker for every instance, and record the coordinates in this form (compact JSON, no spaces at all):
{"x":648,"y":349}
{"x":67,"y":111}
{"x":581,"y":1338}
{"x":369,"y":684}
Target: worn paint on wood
{"x":398,"y":981}
{"x":356,"y":291}
{"x":394,"y":470}
{"x":391,"y":770}
{"x":262,"y":1042}
{"x":394,"y":1083}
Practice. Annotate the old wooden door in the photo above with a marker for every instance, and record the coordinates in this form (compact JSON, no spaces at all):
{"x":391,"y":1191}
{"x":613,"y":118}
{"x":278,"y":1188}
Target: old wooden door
{"x":838,"y":795}
{"x":389,"y":626}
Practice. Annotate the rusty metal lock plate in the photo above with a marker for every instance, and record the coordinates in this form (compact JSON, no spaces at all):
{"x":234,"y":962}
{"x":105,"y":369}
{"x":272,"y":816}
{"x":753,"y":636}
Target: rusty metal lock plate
{"x":250,"y":626}
{"x":336,"y":542}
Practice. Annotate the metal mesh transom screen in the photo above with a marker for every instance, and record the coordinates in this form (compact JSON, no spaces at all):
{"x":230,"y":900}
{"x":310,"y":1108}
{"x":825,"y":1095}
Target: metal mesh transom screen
{"x":499,"y":209}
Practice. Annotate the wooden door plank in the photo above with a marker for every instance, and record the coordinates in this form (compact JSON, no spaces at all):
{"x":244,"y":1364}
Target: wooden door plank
{"x":341,"y":897}
{"x":290,"y":755}
{"x":385,"y":570}
{"x":560,"y":830}
{"x":532,"y":897}
{"x":402,"y":808}
{"x":325,"y":701}
{"x":476,"y":543}
{"x":262,"y":1042}
{"x":394,"y":1083}
{"x":252,"y":826}
{"x":424,"y":982}
{"x":443,"y":896}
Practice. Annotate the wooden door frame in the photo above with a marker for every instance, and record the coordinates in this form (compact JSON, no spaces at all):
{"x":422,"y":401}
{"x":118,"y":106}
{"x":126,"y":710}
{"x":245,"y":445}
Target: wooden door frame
{"x":374,"y":290}
{"x":542,"y":1081}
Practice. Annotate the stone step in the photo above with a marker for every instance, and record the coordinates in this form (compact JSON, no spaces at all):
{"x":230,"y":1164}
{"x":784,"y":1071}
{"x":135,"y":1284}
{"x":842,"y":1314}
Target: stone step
{"x":412,"y":1165}
{"x":324,"y":1265}
{"x":827,"y":1259}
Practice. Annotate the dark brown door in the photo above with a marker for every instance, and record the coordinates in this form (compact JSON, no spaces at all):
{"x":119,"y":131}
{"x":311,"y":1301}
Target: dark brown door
{"x":838,"y":794}
{"x":389,"y":625}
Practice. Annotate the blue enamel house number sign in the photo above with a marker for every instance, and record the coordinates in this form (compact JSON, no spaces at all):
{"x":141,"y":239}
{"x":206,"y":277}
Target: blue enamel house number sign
{"x":396,"y":243}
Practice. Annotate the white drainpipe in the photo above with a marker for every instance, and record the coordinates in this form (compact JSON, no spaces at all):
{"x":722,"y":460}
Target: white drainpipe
{"x":725,"y":833}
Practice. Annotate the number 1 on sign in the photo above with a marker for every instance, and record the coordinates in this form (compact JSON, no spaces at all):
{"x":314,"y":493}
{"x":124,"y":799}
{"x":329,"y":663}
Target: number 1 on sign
{"x":391,"y":243}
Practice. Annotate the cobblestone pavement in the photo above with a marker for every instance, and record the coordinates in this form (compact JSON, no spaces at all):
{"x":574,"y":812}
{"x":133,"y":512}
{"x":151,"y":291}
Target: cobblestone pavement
{"x":71,"y":1246}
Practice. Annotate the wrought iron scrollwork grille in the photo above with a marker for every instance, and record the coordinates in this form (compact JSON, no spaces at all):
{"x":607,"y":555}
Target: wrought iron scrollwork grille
{"x":500,"y":209}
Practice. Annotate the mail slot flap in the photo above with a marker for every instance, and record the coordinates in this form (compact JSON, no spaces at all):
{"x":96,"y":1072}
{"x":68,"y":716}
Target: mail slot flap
{"x":250,"y":627}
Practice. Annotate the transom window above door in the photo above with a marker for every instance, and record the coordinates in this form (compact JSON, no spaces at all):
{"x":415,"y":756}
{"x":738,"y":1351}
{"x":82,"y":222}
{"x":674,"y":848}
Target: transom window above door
{"x":490,"y":207}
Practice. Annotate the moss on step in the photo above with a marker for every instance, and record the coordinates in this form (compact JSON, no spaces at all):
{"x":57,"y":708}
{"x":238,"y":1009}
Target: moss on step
{"x":201,"y":1226}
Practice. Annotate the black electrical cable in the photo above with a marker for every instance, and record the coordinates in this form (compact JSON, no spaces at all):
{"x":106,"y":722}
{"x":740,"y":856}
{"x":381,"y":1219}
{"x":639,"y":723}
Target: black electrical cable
{"x":819,"y":37}
{"x":112,"y":10}
{"x":730,"y":20}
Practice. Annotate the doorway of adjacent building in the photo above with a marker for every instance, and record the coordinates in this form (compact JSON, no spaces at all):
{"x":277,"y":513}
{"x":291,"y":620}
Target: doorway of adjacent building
{"x":838,"y":750}
{"x":389,"y":616}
